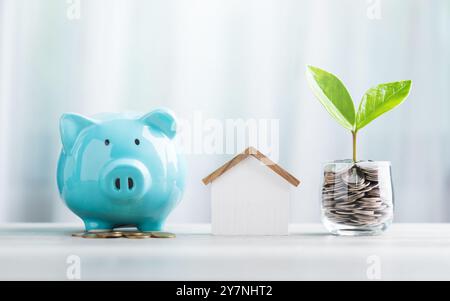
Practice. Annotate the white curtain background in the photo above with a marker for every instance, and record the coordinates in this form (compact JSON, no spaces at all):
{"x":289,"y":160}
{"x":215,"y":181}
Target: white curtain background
{"x":226,"y":59}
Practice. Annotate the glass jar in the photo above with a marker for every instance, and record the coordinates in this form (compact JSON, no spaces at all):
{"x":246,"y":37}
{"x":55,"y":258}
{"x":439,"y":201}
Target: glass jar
{"x":357,"y":198}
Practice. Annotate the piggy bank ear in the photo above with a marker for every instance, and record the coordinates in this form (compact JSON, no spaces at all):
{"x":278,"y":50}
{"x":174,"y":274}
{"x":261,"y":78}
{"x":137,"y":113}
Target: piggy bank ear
{"x":163,"y":120}
{"x":70,"y":127}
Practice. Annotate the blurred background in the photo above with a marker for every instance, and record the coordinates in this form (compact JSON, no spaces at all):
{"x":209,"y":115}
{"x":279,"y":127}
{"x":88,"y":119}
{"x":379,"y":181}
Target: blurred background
{"x":226,"y":59}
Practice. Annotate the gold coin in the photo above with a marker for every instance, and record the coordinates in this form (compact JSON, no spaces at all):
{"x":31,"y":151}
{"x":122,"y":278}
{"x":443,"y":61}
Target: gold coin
{"x":162,"y":235}
{"x":109,"y":235}
{"x":90,"y":235}
{"x":78,"y":234}
{"x":118,"y":232}
{"x":141,"y":236}
{"x":135,"y":233}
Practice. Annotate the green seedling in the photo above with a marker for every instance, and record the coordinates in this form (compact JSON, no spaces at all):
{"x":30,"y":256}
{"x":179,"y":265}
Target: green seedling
{"x":333,"y":95}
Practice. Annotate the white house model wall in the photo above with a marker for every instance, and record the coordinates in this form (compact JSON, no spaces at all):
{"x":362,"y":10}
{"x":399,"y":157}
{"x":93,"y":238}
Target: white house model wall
{"x":250,"y":199}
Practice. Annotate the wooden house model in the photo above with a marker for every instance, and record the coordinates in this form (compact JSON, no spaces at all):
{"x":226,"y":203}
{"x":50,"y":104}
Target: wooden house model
{"x":250,"y":195}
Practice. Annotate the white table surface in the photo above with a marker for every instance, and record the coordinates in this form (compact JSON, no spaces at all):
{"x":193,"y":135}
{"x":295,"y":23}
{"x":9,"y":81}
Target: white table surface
{"x":404,"y":252}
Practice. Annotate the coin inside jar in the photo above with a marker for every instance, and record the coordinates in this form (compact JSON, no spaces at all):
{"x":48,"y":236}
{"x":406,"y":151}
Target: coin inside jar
{"x":352,"y":196}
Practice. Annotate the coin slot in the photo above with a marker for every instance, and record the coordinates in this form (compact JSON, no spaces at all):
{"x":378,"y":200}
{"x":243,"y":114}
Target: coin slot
{"x":117,"y":184}
{"x":130,"y":183}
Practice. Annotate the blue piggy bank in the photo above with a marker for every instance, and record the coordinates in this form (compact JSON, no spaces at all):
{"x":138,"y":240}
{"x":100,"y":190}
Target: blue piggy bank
{"x":120,"y":169}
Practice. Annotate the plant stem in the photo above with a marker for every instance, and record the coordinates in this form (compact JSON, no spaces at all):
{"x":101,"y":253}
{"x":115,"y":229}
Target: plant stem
{"x":354,"y":145}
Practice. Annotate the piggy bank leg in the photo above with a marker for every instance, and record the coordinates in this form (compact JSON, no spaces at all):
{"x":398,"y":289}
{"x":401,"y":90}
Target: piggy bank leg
{"x":150,"y":226}
{"x":95,"y":224}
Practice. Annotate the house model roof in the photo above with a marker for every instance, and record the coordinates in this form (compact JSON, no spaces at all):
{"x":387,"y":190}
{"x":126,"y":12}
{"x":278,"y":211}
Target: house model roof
{"x":251,"y":151}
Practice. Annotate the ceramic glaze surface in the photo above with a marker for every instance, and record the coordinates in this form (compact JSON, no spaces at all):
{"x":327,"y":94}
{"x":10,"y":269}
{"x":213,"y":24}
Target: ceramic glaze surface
{"x":120,"y":169}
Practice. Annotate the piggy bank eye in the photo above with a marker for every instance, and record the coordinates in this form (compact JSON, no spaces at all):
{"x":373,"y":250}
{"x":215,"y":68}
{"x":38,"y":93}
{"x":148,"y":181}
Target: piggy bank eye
{"x":137,"y":142}
{"x":106,"y":142}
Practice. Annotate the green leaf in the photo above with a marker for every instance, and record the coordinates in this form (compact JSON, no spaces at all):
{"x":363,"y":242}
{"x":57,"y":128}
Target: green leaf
{"x":333,"y":95}
{"x":380,"y":99}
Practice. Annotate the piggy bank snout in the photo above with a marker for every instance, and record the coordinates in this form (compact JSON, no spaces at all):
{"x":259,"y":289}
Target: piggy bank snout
{"x":125,"y":179}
